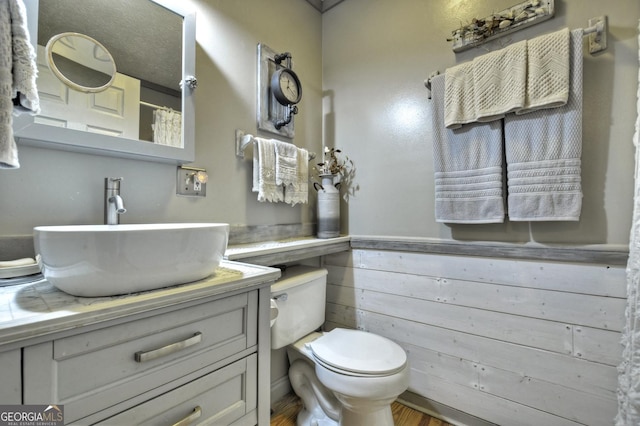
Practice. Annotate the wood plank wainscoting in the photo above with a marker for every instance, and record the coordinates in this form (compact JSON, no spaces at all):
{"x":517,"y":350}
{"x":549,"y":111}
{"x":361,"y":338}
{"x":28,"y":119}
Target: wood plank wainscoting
{"x":510,"y":341}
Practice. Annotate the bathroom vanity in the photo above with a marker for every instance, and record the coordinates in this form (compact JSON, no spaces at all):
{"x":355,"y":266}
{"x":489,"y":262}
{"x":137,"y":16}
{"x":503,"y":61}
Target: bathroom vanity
{"x":196,"y":352}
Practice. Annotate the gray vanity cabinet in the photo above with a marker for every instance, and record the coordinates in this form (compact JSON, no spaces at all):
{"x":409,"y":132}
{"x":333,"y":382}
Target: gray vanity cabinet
{"x":196,"y":361}
{"x":10,"y":379}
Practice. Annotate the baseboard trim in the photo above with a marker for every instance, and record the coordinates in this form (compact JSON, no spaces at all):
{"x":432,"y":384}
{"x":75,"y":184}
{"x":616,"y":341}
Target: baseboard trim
{"x":441,"y":411}
{"x":280,"y":388}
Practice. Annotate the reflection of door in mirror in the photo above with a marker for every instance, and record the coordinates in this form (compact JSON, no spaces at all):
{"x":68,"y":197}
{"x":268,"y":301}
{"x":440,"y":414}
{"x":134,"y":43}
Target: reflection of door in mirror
{"x":114,"y":111}
{"x":151,"y":41}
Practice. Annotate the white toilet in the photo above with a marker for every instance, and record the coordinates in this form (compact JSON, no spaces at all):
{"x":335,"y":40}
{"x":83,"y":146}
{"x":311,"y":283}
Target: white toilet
{"x":343,"y":377}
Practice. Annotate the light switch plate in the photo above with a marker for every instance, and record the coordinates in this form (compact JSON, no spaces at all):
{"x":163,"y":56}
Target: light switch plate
{"x":186,"y":185}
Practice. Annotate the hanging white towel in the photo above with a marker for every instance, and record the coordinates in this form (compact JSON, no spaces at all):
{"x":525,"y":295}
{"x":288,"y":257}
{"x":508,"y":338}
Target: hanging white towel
{"x":167,"y":127}
{"x":543,"y":151}
{"x":547,"y":71}
{"x":264,"y":171}
{"x":500,"y":81}
{"x":487,"y":88}
{"x":459,"y":96}
{"x":18,"y":73}
{"x":286,"y":163}
{"x":468,"y":164}
{"x":298,"y":191}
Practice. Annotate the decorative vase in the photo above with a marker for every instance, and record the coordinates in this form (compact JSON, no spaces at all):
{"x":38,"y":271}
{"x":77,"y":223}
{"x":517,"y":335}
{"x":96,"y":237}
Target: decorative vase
{"x":328,"y":207}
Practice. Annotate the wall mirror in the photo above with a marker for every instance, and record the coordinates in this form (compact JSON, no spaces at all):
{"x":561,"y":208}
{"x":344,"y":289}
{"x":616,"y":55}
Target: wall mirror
{"x":80,"y":62}
{"x":147,"y":110}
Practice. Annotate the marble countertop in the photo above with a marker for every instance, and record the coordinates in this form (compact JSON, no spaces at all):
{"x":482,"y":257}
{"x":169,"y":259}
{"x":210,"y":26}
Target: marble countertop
{"x":281,"y":251}
{"x":36,"y":309}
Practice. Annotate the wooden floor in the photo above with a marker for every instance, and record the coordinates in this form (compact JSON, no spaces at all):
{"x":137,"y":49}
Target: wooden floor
{"x":286,"y":410}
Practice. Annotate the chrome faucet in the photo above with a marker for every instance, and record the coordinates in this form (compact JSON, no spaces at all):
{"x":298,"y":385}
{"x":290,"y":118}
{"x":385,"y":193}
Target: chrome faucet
{"x":113,"y":204}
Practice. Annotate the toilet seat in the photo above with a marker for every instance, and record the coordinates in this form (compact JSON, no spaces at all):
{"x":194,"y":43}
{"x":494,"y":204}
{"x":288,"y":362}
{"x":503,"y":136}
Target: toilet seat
{"x":358,"y":353}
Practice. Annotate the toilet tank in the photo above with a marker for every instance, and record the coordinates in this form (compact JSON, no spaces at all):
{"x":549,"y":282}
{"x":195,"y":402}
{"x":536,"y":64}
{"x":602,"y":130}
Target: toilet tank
{"x":301,"y":311}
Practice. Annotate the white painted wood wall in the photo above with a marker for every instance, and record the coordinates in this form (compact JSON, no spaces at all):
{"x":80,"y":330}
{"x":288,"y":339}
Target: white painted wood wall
{"x":513,"y":342}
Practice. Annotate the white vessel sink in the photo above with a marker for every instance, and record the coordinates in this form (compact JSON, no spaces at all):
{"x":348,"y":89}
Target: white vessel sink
{"x":107,"y":260}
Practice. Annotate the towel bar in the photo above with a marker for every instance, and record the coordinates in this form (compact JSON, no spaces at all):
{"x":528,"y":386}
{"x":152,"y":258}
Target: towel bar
{"x":244,"y":139}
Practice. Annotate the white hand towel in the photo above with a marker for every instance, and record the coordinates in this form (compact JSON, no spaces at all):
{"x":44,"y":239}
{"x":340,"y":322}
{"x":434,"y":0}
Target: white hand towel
{"x":543,"y":151}
{"x":468,"y":165}
{"x":286,"y":163}
{"x":167,"y":127}
{"x":18,"y":72}
{"x":547,"y":71}
{"x":298,"y":192}
{"x":264,"y":171}
{"x":459,"y":96}
{"x":487,"y":88}
{"x":500,"y":81}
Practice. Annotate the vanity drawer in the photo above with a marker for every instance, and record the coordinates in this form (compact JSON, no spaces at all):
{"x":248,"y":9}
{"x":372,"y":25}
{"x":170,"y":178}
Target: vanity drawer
{"x":90,"y":371}
{"x":219,"y":398}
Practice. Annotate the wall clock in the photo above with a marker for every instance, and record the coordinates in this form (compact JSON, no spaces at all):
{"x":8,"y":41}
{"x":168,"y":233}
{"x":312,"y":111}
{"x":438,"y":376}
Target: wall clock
{"x":279,"y":92}
{"x":286,"y":87}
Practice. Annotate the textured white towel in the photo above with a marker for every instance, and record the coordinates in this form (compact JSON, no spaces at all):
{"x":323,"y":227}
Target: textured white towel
{"x":500,"y":80}
{"x":298,"y":191}
{"x":264,"y":171}
{"x":167,"y":127}
{"x":459,"y":96}
{"x":487,"y":88}
{"x":468,"y":164}
{"x":286,"y":163}
{"x":547,"y":71}
{"x":543,"y":151}
{"x":18,"y":73}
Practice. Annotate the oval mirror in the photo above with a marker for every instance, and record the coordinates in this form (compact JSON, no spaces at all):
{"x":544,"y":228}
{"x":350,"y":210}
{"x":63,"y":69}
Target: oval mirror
{"x":81,"y":62}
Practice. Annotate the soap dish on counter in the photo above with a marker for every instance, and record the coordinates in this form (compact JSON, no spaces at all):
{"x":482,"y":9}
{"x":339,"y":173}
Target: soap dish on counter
{"x":19,"y":272}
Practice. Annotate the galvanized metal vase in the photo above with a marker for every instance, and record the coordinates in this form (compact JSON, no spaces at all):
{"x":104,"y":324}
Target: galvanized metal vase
{"x":328,"y":207}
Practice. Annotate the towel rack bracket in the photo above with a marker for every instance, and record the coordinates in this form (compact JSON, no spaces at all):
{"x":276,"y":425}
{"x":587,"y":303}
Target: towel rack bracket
{"x":242,"y":141}
{"x":597,"y":32}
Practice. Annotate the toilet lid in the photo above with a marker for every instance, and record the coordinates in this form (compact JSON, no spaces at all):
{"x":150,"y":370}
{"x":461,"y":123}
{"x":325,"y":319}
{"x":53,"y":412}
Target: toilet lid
{"x":359,"y":352}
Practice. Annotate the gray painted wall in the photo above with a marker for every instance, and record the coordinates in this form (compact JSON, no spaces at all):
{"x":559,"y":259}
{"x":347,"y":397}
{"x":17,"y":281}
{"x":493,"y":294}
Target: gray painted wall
{"x":56,"y":187}
{"x":376,"y":55}
{"x":362,"y":64}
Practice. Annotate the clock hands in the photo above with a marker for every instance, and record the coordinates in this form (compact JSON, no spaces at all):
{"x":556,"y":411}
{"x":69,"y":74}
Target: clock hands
{"x":291,"y":88}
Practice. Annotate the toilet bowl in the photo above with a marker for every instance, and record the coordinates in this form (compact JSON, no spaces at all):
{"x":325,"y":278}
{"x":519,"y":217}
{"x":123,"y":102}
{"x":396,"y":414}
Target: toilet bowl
{"x":343,"y":376}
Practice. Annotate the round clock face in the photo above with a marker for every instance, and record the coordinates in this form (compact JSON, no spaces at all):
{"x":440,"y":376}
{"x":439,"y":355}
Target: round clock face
{"x":286,"y":87}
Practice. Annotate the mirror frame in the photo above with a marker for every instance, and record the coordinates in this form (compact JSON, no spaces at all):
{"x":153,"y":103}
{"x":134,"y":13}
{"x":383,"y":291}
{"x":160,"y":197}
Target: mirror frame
{"x":28,"y":132}
{"x":67,"y":81}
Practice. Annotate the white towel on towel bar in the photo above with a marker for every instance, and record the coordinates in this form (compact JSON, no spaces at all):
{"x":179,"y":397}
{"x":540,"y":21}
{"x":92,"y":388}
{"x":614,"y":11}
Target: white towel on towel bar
{"x":500,"y":80}
{"x":264,"y":171}
{"x":547,"y":71}
{"x":286,"y":163}
{"x":468,"y":164}
{"x":543,"y":151}
{"x":298,"y":191}
{"x":487,"y":88}
{"x":459,"y":96}
{"x":18,"y":71}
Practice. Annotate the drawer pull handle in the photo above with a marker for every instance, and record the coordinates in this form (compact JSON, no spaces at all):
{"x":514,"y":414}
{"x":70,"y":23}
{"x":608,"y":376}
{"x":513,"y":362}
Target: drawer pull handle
{"x":169,"y":349}
{"x":197,"y":412}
